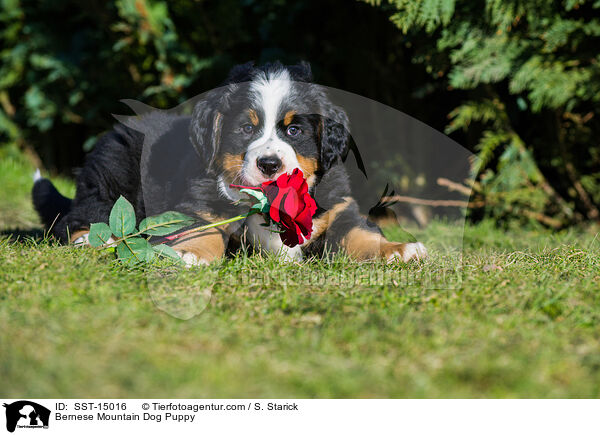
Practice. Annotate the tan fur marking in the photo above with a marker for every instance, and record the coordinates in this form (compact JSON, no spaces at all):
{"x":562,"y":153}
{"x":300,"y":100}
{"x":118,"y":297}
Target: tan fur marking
{"x":362,"y":245}
{"x":288,"y":117}
{"x":207,"y":245}
{"x":217,"y":124}
{"x":232,"y":165}
{"x":253,"y":117}
{"x":323,"y":222}
{"x":308,"y":165}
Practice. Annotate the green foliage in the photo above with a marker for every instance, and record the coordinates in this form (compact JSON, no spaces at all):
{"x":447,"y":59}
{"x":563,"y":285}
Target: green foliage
{"x":262,"y":203}
{"x":131,"y":247}
{"x":531,"y":66}
{"x":529,"y":76}
{"x":122,"y":218}
{"x":428,"y":14}
{"x":165,"y":223}
{"x":166,"y":251}
{"x":553,"y":85}
{"x":99,"y":235}
{"x":65,"y":64}
{"x":135,"y":250}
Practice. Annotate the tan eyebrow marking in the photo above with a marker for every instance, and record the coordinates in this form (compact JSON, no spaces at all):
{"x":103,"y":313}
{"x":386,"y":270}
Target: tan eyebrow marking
{"x":253,"y":117}
{"x":288,"y":117}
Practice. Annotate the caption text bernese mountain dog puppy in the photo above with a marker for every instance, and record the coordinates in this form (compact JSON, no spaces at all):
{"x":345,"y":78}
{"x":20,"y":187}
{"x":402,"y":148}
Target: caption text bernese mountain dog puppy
{"x":263,"y":122}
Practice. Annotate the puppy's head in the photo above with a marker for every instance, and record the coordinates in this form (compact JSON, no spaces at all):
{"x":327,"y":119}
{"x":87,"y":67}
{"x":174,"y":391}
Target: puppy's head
{"x":268,"y":121}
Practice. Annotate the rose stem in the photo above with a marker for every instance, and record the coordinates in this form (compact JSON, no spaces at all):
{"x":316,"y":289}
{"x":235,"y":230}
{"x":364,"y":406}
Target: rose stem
{"x":215,"y":224}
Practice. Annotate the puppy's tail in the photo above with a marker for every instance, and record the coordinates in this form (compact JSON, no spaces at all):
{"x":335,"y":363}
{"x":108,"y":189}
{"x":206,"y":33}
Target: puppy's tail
{"x":48,"y":202}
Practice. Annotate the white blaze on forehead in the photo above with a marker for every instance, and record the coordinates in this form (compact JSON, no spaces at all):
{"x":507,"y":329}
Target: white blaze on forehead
{"x":270,"y":91}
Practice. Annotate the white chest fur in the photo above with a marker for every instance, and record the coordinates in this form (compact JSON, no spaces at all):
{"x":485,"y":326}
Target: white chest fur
{"x":260,"y":236}
{"x":269,"y":240}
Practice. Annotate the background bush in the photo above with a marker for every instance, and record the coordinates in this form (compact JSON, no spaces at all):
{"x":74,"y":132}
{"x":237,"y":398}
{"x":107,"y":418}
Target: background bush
{"x":515,"y":81}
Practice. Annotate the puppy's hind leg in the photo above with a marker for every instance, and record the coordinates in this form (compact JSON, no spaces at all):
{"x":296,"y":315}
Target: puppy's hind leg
{"x":366,"y":244}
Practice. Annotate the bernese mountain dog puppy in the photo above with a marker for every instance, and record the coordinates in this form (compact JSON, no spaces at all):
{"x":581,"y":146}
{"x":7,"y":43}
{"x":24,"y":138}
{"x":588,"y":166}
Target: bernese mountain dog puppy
{"x":263,"y":122}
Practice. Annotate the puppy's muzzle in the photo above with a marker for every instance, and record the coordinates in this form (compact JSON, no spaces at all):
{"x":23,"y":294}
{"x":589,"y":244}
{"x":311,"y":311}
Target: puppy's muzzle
{"x":269,"y":165}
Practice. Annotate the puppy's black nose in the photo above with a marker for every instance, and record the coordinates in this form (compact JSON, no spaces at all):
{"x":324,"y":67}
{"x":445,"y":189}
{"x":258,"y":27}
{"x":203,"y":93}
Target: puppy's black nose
{"x":269,"y":165}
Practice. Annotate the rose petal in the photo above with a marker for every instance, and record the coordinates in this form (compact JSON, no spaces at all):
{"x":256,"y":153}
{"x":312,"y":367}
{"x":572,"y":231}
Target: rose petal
{"x":304,"y":221}
{"x":276,"y":205}
{"x":296,"y":180}
{"x":292,"y":203}
{"x":270,"y":189}
{"x":292,"y":237}
{"x":282,"y":180}
{"x":291,"y":206}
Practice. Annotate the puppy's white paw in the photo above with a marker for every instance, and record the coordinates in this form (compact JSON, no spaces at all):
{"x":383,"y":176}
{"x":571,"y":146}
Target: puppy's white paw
{"x":414,"y":251}
{"x":408,"y":252}
{"x":191,"y":260}
{"x":84,"y":240}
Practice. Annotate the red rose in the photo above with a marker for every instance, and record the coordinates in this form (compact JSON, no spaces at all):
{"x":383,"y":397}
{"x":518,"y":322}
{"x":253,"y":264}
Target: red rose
{"x":291,"y":206}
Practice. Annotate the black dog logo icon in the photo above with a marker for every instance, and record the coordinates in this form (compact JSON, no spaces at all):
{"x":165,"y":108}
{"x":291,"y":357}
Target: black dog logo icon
{"x":25,"y":413}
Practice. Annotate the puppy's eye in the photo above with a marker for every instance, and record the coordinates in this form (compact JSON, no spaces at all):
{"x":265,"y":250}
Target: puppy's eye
{"x":247,"y":128}
{"x":293,"y":130}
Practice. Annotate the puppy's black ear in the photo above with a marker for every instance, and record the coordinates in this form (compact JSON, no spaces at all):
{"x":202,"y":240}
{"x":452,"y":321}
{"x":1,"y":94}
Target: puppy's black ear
{"x":334,"y":136}
{"x":240,"y":73}
{"x":207,"y":117}
{"x":205,"y":128}
{"x":336,"y":140}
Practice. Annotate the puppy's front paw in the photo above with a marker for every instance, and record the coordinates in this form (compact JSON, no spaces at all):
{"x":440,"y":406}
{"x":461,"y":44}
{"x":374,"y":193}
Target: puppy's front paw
{"x":83,"y":239}
{"x":404,"y":251}
{"x":190,"y":259}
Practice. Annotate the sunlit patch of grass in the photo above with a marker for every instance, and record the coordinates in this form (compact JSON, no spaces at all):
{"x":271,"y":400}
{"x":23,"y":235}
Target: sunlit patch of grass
{"x":16,"y":181}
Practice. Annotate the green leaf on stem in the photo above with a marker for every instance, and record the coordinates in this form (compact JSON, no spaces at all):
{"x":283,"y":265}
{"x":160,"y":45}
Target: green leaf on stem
{"x":165,"y":223}
{"x":262,"y":205}
{"x":99,"y":234}
{"x":135,"y":250}
{"x":122,"y":218}
{"x":166,"y":251}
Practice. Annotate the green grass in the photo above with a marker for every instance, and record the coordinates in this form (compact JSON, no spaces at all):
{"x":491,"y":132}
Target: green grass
{"x":523,"y":323}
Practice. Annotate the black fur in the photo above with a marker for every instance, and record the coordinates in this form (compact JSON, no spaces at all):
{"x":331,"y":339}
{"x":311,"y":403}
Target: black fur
{"x":48,"y":202}
{"x":334,"y":143}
